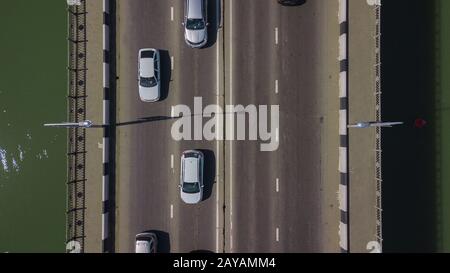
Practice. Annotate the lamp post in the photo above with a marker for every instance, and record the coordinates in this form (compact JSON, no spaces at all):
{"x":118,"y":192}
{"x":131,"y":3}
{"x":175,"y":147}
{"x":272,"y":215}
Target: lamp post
{"x":81,"y":124}
{"x":367,"y":124}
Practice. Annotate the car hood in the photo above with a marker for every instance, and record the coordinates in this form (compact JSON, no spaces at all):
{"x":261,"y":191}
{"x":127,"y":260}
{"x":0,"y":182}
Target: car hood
{"x":191,"y":198}
{"x":149,"y":93}
{"x":195,"y":36}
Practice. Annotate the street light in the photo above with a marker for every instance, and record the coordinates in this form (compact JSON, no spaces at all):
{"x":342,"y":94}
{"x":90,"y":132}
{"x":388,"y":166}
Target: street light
{"x":367,"y":124}
{"x":81,"y":124}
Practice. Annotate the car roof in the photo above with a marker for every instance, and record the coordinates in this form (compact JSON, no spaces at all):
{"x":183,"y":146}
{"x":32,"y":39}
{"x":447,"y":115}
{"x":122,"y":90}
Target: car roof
{"x":191,"y":169}
{"x":195,"y":9}
{"x":147,"y":67}
{"x":143,"y":247}
{"x":146,"y":62}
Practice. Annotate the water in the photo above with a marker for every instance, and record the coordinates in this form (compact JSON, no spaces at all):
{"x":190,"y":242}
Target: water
{"x":33,"y":88}
{"x":416,"y":84}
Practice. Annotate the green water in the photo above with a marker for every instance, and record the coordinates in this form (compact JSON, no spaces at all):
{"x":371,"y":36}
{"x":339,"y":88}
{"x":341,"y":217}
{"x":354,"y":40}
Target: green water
{"x":416,"y":84}
{"x":33,"y":87}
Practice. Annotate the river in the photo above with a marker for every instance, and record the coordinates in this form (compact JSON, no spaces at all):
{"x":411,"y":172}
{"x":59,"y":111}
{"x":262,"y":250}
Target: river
{"x":33,"y":88}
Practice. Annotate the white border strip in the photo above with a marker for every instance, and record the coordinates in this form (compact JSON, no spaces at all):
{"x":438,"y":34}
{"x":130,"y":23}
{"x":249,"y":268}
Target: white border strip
{"x":106,"y":97}
{"x":343,"y":130}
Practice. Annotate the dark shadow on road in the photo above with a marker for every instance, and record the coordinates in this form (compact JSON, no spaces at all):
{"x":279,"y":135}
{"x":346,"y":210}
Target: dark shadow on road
{"x":98,"y":126}
{"x":145,"y":120}
{"x":166,"y":73}
{"x":408,"y":86}
{"x":291,"y":3}
{"x":214,"y":18}
{"x":209,"y":173}
{"x":163,"y":241}
{"x":158,"y":118}
{"x":201,"y":251}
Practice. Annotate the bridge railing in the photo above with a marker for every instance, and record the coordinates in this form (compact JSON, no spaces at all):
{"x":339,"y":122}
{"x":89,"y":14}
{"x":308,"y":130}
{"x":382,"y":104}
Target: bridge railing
{"x":378,"y":146}
{"x":76,"y":148}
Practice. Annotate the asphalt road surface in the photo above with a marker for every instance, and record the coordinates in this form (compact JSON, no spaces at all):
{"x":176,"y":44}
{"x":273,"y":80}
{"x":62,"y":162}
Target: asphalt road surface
{"x":274,"y":196}
{"x":255,"y":201}
{"x":148,"y":157}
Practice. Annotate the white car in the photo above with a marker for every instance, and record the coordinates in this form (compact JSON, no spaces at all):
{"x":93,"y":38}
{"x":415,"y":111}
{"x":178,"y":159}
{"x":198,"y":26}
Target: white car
{"x":195,"y":23}
{"x":191,"y":177}
{"x":149,"y":78}
{"x":146,"y":242}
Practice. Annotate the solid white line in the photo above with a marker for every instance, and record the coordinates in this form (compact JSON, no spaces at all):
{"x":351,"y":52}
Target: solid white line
{"x":217,"y":146}
{"x":276,"y":35}
{"x":218,"y":130}
{"x":231,"y":142}
{"x":171,"y":13}
{"x":172,"y":111}
{"x":171,"y":62}
{"x":277,"y":134}
{"x":171,"y":161}
{"x":217,"y":70}
{"x":277,"y":234}
{"x":277,"y":187}
{"x":217,"y":216}
{"x":171,"y":211}
{"x":276,"y":86}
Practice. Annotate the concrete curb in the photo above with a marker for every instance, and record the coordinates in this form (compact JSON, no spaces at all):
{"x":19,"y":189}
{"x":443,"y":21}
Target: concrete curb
{"x":106,"y":98}
{"x":344,"y":238}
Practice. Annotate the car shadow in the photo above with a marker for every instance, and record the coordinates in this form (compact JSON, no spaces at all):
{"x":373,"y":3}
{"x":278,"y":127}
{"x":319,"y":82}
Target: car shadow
{"x":295,"y":3}
{"x":163,"y":241}
{"x":166,"y":73}
{"x":209,"y":172}
{"x":214,"y":19}
{"x":201,"y":251}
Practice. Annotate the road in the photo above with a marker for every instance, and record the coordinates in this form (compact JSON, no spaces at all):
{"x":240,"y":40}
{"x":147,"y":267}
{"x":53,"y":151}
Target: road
{"x":275,"y":196}
{"x":148,"y":157}
{"x":256,"y":201}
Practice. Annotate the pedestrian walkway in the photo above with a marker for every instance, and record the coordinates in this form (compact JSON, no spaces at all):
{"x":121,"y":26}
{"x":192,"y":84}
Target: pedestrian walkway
{"x":94,"y":136}
{"x":363,"y":211}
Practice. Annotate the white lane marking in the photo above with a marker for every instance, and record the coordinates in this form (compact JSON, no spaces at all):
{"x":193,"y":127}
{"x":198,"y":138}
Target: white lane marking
{"x":231,"y":142}
{"x":277,"y":234}
{"x":231,"y":241}
{"x":171,"y":62}
{"x":217,"y":216}
{"x":171,"y":211}
{"x":277,"y":134}
{"x":276,"y":86}
{"x":172,"y":112}
{"x":277,"y":186}
{"x":171,"y":13}
{"x":217,"y":145}
{"x":276,"y":35}
{"x":171,"y":161}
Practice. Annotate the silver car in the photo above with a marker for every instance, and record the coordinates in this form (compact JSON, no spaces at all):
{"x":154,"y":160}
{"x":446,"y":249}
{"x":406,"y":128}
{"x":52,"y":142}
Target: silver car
{"x":149,"y":78}
{"x":146,"y":242}
{"x":191,"y":177}
{"x":195,"y":23}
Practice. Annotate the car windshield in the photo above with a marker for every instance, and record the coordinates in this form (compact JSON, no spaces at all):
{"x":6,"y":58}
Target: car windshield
{"x":148,"y":82}
{"x":194,"y":24}
{"x":191,"y":188}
